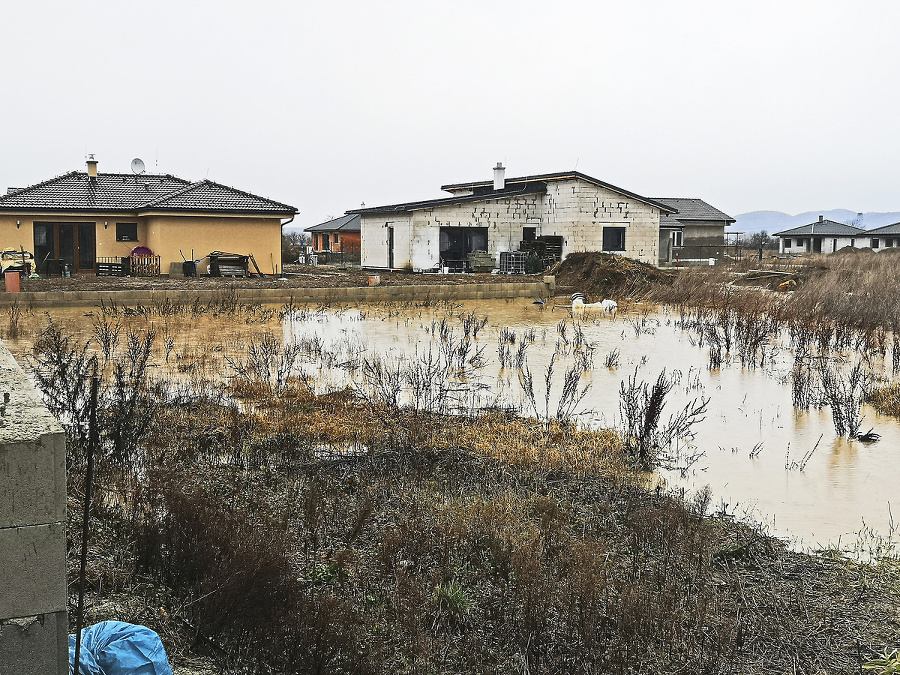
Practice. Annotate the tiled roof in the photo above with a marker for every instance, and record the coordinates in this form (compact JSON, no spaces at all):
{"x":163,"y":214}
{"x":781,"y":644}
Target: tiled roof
{"x":112,"y":192}
{"x":347,"y":223}
{"x":826,"y":228}
{"x":892,"y":229}
{"x":694,"y":209}
{"x":670,"y":221}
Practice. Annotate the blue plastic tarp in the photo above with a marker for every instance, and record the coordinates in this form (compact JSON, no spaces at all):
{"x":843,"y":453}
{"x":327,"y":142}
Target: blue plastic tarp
{"x":119,"y":648}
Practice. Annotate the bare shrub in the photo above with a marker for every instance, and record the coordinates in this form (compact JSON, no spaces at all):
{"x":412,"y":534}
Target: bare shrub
{"x":641,"y":408}
{"x":13,"y":316}
{"x":268,"y":361}
{"x":845,"y":396}
{"x":63,"y":368}
{"x":570,"y":395}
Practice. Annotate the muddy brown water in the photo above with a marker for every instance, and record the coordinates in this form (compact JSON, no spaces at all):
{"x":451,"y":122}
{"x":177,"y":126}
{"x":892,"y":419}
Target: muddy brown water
{"x":752,"y":439}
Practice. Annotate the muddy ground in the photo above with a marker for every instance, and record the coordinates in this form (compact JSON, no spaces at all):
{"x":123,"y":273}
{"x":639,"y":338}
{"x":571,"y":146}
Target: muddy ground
{"x":296,"y":276}
{"x":598,"y":275}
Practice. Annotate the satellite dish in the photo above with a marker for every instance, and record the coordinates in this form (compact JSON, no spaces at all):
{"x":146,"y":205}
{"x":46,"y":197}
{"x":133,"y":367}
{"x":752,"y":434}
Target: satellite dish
{"x":137,"y":165}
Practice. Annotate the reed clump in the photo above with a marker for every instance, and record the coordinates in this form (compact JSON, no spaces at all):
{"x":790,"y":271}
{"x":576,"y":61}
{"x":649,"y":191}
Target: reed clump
{"x":885,"y":400}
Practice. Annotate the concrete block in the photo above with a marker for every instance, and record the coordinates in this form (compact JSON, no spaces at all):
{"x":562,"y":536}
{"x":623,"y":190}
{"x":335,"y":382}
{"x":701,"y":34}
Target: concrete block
{"x":35,"y":645}
{"x":33,"y":561}
{"x":33,"y":481}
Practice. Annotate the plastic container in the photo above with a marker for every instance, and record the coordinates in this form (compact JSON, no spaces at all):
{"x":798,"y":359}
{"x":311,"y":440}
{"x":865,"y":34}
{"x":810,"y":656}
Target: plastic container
{"x":13,"y":282}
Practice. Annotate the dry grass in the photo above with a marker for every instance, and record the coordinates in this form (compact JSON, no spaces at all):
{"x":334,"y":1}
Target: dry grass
{"x":277,"y":530}
{"x":321,"y":534}
{"x":885,"y":400}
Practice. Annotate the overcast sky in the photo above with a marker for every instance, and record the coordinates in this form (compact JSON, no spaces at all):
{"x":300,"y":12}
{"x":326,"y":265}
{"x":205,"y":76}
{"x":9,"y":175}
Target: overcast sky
{"x":784,"y":105}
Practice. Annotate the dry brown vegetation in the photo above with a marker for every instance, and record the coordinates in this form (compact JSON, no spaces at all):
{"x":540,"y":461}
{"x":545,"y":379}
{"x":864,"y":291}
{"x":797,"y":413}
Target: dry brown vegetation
{"x":270,"y":529}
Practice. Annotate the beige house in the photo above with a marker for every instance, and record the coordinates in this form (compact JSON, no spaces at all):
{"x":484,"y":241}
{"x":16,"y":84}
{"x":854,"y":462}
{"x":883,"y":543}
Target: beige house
{"x":695,"y":231}
{"x":495,"y":217}
{"x":82,"y":218}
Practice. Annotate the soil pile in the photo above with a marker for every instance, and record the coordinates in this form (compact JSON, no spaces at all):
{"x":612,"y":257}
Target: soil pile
{"x":600,"y":275}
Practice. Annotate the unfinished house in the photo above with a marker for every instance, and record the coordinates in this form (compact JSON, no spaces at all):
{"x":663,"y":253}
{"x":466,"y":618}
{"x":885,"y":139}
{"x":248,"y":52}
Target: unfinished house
{"x":695,"y":232}
{"x":565,"y":212}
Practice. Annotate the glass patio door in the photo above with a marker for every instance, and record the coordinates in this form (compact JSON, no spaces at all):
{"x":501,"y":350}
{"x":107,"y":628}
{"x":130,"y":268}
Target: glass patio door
{"x":75,"y":244}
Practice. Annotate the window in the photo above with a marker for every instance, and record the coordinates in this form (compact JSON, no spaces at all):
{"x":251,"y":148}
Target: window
{"x":874,"y":243}
{"x":787,"y":243}
{"x":529,"y":233}
{"x":335,"y":237}
{"x":126,"y":232}
{"x":613,"y":238}
{"x":677,"y":238}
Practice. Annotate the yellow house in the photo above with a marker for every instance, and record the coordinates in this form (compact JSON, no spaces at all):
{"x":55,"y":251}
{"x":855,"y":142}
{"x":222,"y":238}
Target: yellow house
{"x":82,"y":218}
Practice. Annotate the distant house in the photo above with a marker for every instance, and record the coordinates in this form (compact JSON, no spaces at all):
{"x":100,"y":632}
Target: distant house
{"x":823,"y":236}
{"x":81,"y":217}
{"x":884,"y":237}
{"x":582,"y":213}
{"x":696,"y":230}
{"x":338,"y":236}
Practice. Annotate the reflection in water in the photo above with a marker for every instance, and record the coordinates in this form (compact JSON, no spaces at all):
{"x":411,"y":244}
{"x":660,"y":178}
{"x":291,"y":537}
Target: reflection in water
{"x":763,"y":459}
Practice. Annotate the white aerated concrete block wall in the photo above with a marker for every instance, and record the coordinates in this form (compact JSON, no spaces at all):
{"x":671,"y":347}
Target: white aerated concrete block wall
{"x":574,"y":209}
{"x":33,"y":623}
{"x":578,"y":211}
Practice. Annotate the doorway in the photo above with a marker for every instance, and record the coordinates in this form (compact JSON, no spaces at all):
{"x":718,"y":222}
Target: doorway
{"x":456,"y":243}
{"x":73,"y":244}
{"x":390,"y":245}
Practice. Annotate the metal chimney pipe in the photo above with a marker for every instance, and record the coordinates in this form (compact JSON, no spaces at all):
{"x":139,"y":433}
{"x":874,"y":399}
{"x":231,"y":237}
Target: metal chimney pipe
{"x":499,"y":176}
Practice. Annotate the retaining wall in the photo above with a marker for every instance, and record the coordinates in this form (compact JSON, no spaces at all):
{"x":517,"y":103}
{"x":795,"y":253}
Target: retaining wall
{"x":433,"y":293}
{"x":33,"y":623}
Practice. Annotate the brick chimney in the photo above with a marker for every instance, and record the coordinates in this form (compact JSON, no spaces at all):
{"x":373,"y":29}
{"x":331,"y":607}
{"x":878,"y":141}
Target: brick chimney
{"x":820,"y":219}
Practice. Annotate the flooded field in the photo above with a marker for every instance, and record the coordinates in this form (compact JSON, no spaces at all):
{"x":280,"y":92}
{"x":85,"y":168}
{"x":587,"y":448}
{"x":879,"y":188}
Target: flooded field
{"x":763,"y":459}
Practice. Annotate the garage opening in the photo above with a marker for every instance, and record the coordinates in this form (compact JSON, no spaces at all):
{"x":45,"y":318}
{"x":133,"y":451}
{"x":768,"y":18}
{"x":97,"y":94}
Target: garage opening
{"x":458,"y":242}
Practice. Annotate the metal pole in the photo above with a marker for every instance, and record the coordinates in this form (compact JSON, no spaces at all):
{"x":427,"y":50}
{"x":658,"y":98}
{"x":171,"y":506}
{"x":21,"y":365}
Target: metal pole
{"x":88,"y":489}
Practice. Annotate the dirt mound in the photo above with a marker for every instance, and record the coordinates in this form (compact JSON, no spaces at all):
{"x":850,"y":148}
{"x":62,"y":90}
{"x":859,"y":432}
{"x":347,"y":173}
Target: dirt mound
{"x":603,"y":275}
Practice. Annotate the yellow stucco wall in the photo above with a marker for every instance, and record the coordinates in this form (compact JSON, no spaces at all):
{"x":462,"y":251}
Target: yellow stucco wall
{"x":13,"y":237}
{"x":165,"y":234}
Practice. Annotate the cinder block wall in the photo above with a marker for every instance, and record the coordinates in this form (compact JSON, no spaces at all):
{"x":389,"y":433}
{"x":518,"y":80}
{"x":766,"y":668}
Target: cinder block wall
{"x":33,"y":623}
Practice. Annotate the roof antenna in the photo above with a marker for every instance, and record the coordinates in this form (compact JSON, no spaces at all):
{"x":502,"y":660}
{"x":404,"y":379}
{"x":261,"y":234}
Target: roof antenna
{"x":577,"y":159}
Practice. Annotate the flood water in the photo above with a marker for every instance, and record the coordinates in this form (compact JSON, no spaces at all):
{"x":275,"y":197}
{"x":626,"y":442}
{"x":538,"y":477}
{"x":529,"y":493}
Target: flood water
{"x":753,"y":441}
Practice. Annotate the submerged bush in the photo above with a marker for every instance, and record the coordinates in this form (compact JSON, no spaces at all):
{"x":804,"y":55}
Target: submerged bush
{"x":641,"y":407}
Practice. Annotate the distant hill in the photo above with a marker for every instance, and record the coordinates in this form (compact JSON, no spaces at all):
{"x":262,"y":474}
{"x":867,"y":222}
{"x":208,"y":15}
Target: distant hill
{"x":776,"y":221}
